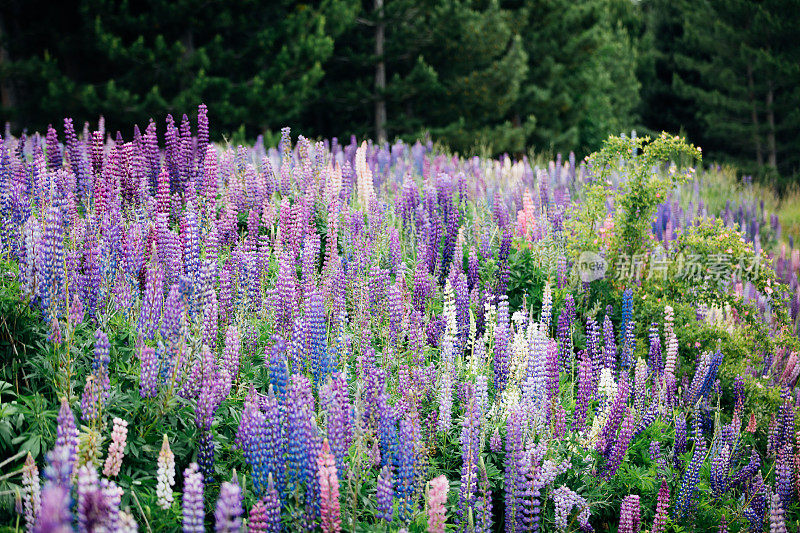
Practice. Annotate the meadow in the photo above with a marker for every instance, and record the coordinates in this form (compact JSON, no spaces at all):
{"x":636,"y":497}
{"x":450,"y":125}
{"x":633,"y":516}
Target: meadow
{"x":365,"y":337}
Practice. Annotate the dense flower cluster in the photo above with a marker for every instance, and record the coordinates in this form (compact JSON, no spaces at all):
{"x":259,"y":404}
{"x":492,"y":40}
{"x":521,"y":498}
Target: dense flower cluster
{"x":346,"y":326}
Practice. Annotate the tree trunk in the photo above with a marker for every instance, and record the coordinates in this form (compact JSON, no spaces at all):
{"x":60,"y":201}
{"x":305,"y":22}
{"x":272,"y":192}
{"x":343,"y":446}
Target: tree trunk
{"x":380,"y":75}
{"x":754,"y":116}
{"x":773,"y":152}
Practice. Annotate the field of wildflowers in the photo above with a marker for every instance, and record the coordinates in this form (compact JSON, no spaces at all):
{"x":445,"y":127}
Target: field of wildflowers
{"x":373,"y":337}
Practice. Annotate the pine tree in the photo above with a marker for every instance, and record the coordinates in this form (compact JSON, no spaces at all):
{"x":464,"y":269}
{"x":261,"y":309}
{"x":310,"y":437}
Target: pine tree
{"x":744,"y":71}
{"x":581,"y":85}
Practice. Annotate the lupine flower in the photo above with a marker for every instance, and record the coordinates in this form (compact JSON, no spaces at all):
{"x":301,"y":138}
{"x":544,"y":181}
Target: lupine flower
{"x":55,"y":515}
{"x":408,"y":437}
{"x":470,"y":453}
{"x":328,"y":490}
{"x":166,"y":475}
{"x":777,"y":515}
{"x":193,"y":511}
{"x":662,"y":504}
{"x":116,"y":450}
{"x":483,"y":504}
{"x":31,"y":494}
{"x":437,"y":497}
{"x":230,"y":356}
{"x":629,"y":514}
{"x":228,"y":514}
{"x":685,"y":501}
{"x":385,"y":494}
{"x":621,"y":444}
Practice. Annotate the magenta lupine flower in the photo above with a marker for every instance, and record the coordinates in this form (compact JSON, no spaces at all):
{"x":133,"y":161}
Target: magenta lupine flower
{"x":193,"y":511}
{"x":662,"y":505}
{"x":629,"y":514}
{"x":228,"y":514}
{"x":437,"y":497}
{"x":116,"y":450}
{"x":328,"y":490}
{"x":385,"y":494}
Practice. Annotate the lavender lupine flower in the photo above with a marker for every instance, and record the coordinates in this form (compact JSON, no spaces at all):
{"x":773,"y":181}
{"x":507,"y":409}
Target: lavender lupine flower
{"x":615,"y":416}
{"x":193,"y":512}
{"x":230,"y":356}
{"x":483,"y":504}
{"x":564,"y":332}
{"x":340,"y":418}
{"x":494,"y":442}
{"x":285,"y":287}
{"x":585,"y":389}
{"x":662,"y":504}
{"x":629,"y":514}
{"x":148,"y":380}
{"x":67,"y":433}
{"x":784,"y":475}
{"x":610,"y":342}
{"x":621,"y":444}
{"x":91,"y":400}
{"x":680,"y":439}
{"x":98,"y":501}
{"x":501,"y":345}
{"x":470,"y":454}
{"x":228,"y":514}
{"x":658,"y":458}
{"x":31,"y":494}
{"x":551,"y":370}
{"x":385,"y":494}
{"x":517,"y":470}
{"x":55,"y":515}
{"x":150,"y":313}
{"x":100,"y":365}
{"x":777,"y":515}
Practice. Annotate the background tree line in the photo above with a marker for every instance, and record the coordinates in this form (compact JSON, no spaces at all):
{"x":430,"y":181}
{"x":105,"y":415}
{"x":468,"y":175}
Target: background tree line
{"x":489,"y":75}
